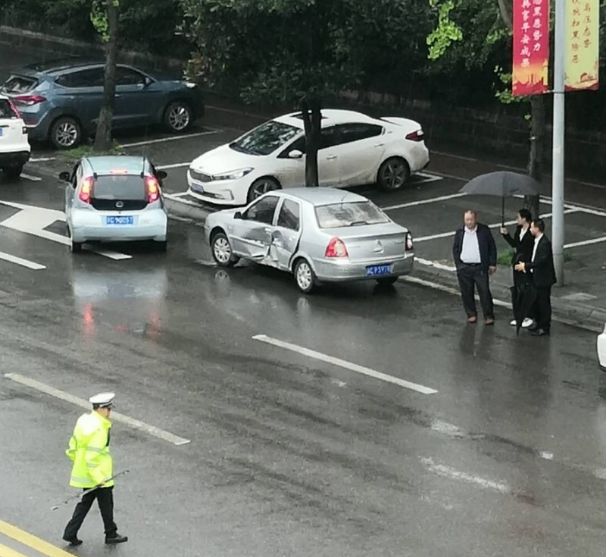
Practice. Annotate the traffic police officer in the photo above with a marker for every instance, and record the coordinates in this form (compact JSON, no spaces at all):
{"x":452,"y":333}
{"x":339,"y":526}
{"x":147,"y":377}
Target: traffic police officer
{"x":89,"y":450}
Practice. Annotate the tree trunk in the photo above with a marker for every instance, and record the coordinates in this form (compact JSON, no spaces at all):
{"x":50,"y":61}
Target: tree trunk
{"x":536,"y":149}
{"x":103,"y":136}
{"x":311,"y":118}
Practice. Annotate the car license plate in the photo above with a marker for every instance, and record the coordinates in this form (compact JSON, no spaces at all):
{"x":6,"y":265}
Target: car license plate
{"x":197,"y":188}
{"x":118,"y":220}
{"x":379,"y":270}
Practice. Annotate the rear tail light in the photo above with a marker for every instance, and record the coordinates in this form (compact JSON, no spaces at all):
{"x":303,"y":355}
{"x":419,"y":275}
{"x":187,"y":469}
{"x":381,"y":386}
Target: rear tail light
{"x":29,"y":100}
{"x":86,"y":191}
{"x":336,"y":248}
{"x":152,"y":189}
{"x":417,"y":135}
{"x":408,"y":242}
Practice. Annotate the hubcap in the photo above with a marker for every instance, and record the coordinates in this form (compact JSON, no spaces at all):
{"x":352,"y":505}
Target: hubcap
{"x":304,"y":276}
{"x":222,"y":250}
{"x":66,"y":134}
{"x":179,"y":117}
{"x":394,"y":175}
{"x":263,"y":186}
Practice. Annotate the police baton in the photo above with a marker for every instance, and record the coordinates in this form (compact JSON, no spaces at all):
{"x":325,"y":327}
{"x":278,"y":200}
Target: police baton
{"x":79,"y":495}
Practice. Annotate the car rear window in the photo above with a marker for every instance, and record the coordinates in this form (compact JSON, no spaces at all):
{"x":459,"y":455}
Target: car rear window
{"x":6,"y":110}
{"x":119,"y":186}
{"x":19,"y":84}
{"x":358,"y":213}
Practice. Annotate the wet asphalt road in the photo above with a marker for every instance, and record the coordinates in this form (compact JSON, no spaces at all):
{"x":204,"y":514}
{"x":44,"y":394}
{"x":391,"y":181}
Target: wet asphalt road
{"x":290,"y":455}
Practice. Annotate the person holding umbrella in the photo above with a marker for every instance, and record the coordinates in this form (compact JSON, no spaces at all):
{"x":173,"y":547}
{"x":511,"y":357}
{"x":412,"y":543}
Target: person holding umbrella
{"x":541,"y":271}
{"x":522,"y":242}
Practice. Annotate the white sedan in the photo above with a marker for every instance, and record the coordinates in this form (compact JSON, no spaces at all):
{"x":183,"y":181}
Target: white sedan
{"x":354,"y":149}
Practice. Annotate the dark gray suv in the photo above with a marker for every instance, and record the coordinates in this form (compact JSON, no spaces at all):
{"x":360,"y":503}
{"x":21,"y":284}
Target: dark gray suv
{"x":60,"y":101}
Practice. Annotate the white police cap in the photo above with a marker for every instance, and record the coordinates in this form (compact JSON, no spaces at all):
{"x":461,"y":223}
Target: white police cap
{"x":103,"y":400}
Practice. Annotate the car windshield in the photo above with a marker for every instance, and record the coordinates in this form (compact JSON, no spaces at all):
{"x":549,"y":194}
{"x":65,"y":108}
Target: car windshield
{"x":265,"y":139}
{"x":19,"y":84}
{"x":339,"y":215}
{"x":119,"y":186}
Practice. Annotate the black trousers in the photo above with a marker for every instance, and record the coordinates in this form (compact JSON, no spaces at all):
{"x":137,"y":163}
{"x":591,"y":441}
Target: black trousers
{"x":469,"y":276}
{"x":105,"y":500}
{"x":521,"y":281}
{"x":542,"y":309}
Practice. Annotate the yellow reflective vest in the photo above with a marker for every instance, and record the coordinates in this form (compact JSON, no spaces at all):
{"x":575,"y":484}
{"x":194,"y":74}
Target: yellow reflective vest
{"x":90,"y":452}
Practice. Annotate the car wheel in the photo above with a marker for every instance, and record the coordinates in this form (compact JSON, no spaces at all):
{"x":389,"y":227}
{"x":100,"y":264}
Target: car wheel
{"x":13,"y":171}
{"x":304,"y":276}
{"x":261,"y":186}
{"x":393,"y":174}
{"x":386,"y":281}
{"x":222,"y":251}
{"x":65,"y":133}
{"x":178,"y":116}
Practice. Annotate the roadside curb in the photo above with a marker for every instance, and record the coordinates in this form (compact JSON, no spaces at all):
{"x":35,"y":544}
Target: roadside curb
{"x":186,"y":209}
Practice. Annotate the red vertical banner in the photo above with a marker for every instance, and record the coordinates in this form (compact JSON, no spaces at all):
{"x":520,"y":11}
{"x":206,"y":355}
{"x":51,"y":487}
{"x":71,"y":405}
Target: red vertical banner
{"x":530,"y":46}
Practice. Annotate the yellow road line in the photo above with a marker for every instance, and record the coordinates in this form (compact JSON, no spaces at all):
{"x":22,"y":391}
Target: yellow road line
{"x":31,"y":541}
{"x":6,"y":551}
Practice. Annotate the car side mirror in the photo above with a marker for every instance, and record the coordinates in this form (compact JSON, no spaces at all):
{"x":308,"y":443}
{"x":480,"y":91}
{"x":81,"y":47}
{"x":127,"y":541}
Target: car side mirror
{"x":64,"y":176}
{"x":295,"y":154}
{"x":238,"y":215}
{"x":161,"y":174}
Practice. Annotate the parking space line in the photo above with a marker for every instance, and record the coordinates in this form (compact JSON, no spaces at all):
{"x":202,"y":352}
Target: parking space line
{"x":428,"y":177}
{"x":585,"y":242}
{"x":177,"y":197}
{"x":6,"y":551}
{"x":345,"y":364}
{"x":20,"y":261}
{"x":423,"y":201}
{"x":30,"y":177}
{"x":116,"y":416}
{"x":568,"y":205}
{"x":42,"y":159}
{"x":31,"y":541}
{"x":435,"y":264}
{"x":171,"y":138}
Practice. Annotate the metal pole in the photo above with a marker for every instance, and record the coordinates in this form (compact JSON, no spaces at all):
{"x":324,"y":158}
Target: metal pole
{"x":558,"y":142}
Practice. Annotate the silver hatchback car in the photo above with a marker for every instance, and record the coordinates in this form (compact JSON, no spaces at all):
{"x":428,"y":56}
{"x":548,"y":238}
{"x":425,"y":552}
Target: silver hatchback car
{"x":115,"y":199}
{"x":318,"y":234}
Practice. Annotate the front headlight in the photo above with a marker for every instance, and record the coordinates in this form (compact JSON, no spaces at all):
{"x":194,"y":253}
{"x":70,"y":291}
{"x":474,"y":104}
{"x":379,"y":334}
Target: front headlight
{"x":232,"y":174}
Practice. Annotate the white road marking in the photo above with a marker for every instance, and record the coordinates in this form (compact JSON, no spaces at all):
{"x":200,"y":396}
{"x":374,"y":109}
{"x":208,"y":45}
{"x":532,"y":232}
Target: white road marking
{"x":176,"y":165}
{"x":435,"y":264}
{"x":42,"y":159}
{"x":33,"y":220}
{"x":585,"y":242}
{"x":180,"y":194}
{"x":345,"y":364}
{"x":20,"y":261}
{"x":30,"y":177}
{"x":423,"y":201}
{"x":177,"y":197}
{"x":171,"y":138}
{"x":116,"y":416}
{"x":568,"y":205}
{"x":450,"y":472}
{"x":427,"y":177}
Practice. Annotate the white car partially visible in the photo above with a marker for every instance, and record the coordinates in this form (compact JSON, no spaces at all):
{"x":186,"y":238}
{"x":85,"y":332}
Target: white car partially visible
{"x":14,"y":145}
{"x":354,"y":149}
{"x":601,"y":343}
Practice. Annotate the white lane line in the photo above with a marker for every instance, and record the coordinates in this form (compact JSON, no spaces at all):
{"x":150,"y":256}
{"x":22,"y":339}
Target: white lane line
{"x":116,"y":416}
{"x":30,"y":177}
{"x":568,"y":205}
{"x":435,"y":264}
{"x":177,"y":198}
{"x":42,"y":159}
{"x":347,"y":365}
{"x":20,"y":261}
{"x":452,"y":473}
{"x":115,"y":255}
{"x":585,"y":242}
{"x":176,"y":165}
{"x":423,"y":201}
{"x":171,"y":138}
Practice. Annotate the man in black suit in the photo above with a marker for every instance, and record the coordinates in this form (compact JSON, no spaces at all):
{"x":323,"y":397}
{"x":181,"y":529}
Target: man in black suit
{"x":475,"y":257}
{"x":522,"y":242}
{"x":541,"y":271}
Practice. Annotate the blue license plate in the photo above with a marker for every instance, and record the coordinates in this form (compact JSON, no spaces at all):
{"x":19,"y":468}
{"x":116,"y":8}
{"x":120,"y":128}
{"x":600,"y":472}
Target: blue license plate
{"x":197,"y":188}
{"x":379,"y":270}
{"x":118,"y":220}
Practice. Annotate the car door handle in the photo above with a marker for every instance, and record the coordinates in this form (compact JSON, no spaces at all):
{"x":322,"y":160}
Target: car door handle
{"x":331,"y":157}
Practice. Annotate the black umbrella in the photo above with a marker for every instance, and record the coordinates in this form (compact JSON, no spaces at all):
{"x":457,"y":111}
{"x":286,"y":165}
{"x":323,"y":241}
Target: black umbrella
{"x":503,"y":184}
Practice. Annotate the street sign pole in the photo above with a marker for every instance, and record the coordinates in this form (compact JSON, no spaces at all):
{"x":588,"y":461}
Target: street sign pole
{"x":558,"y":142}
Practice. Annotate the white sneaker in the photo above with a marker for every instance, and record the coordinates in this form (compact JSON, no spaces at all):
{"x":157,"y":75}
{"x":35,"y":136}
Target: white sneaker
{"x":527,"y":322}
{"x":513,"y":323}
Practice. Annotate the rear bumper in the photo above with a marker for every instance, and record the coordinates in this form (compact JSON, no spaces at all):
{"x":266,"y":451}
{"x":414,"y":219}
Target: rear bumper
{"x":88,"y":226}
{"x":18,"y":158}
{"x":337,"y":271}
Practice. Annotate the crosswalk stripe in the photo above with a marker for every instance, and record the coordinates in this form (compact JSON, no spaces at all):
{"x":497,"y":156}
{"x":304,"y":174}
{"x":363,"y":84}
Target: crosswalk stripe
{"x":6,"y":551}
{"x":31,"y":541}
